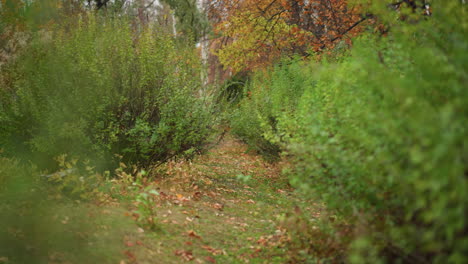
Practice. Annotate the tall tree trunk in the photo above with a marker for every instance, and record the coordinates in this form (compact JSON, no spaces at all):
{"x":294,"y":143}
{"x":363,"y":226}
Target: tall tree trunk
{"x":204,"y":43}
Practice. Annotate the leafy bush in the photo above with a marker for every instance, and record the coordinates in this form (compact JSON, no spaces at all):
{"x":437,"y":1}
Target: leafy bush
{"x":269,"y":97}
{"x":92,"y":88}
{"x":32,"y":231}
{"x":381,"y":137}
{"x":22,"y":218}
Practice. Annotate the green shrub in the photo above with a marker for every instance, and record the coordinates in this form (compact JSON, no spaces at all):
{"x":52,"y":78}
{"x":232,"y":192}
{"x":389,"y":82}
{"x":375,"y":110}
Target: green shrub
{"x":94,"y":89}
{"x":23,"y":211}
{"x":268,"y":98}
{"x":44,"y":219}
{"x":381,"y":137}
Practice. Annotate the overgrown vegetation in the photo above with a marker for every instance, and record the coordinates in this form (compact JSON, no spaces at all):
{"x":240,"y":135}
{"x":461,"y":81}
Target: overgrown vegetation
{"x":380,"y":135}
{"x":104,"y":106}
{"x":91,"y":88}
{"x":55,"y":219}
{"x":82,"y":93}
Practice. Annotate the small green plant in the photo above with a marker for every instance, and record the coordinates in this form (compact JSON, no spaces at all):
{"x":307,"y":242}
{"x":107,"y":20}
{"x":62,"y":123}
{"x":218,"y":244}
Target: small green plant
{"x":243,"y":178}
{"x":73,"y":183}
{"x":144,"y":197}
{"x":146,"y":214}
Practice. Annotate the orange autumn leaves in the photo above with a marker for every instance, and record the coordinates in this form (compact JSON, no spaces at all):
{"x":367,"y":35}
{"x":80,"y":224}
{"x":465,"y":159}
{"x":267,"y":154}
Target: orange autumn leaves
{"x":255,"y":33}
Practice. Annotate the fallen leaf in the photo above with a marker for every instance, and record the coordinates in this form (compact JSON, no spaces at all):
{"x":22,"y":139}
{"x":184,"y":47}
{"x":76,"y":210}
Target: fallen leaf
{"x":186,"y":255}
{"x":197,"y":196}
{"x":210,"y":259}
{"x":130,"y":255}
{"x":192,"y":233}
{"x":207,"y":181}
{"x":218,"y":206}
{"x":262,"y":241}
{"x":213,"y":251}
{"x":129,"y":244}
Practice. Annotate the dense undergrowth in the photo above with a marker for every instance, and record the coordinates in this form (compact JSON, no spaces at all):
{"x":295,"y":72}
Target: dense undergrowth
{"x":81,"y":96}
{"x":377,"y":133}
{"x":91,"y":88}
{"x":380,"y":134}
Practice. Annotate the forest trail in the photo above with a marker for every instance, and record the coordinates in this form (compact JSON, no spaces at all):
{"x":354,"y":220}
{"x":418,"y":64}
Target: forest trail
{"x":225,"y":206}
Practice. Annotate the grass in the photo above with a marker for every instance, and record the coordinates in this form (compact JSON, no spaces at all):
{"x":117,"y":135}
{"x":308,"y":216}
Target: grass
{"x":225,"y":206}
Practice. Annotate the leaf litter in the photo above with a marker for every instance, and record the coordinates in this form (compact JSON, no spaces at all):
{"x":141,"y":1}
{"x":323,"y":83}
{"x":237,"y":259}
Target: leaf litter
{"x":225,"y":206}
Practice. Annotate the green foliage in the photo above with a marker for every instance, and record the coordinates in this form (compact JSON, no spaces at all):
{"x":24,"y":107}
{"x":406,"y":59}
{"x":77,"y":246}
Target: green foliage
{"x":381,"y":137}
{"x":268,"y":99}
{"x":243,"y":178}
{"x":72,"y":183}
{"x":231,"y":90}
{"x":21,"y":219}
{"x":146,"y":202}
{"x":246,"y":123}
{"x":133,"y":183}
{"x":93,"y":89}
{"x":191,"y":21}
{"x":39,"y":228}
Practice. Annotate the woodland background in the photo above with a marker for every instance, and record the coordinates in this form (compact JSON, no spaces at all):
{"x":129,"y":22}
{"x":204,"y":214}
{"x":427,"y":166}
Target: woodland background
{"x":366,"y":101}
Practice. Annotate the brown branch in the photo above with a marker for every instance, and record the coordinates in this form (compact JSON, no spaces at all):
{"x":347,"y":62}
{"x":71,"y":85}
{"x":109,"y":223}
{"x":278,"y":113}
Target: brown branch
{"x":351,"y":27}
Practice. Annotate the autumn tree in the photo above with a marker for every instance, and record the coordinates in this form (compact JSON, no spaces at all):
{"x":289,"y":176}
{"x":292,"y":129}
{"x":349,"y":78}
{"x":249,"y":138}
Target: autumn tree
{"x":19,"y":19}
{"x":254,"y":33}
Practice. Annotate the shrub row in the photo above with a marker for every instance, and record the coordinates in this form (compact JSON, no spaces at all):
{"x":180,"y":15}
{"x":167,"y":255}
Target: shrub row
{"x":380,"y":136}
{"x":94,"y":88}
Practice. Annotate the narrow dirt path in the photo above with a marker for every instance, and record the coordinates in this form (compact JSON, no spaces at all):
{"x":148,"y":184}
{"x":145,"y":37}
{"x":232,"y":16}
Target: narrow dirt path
{"x":225,"y":206}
